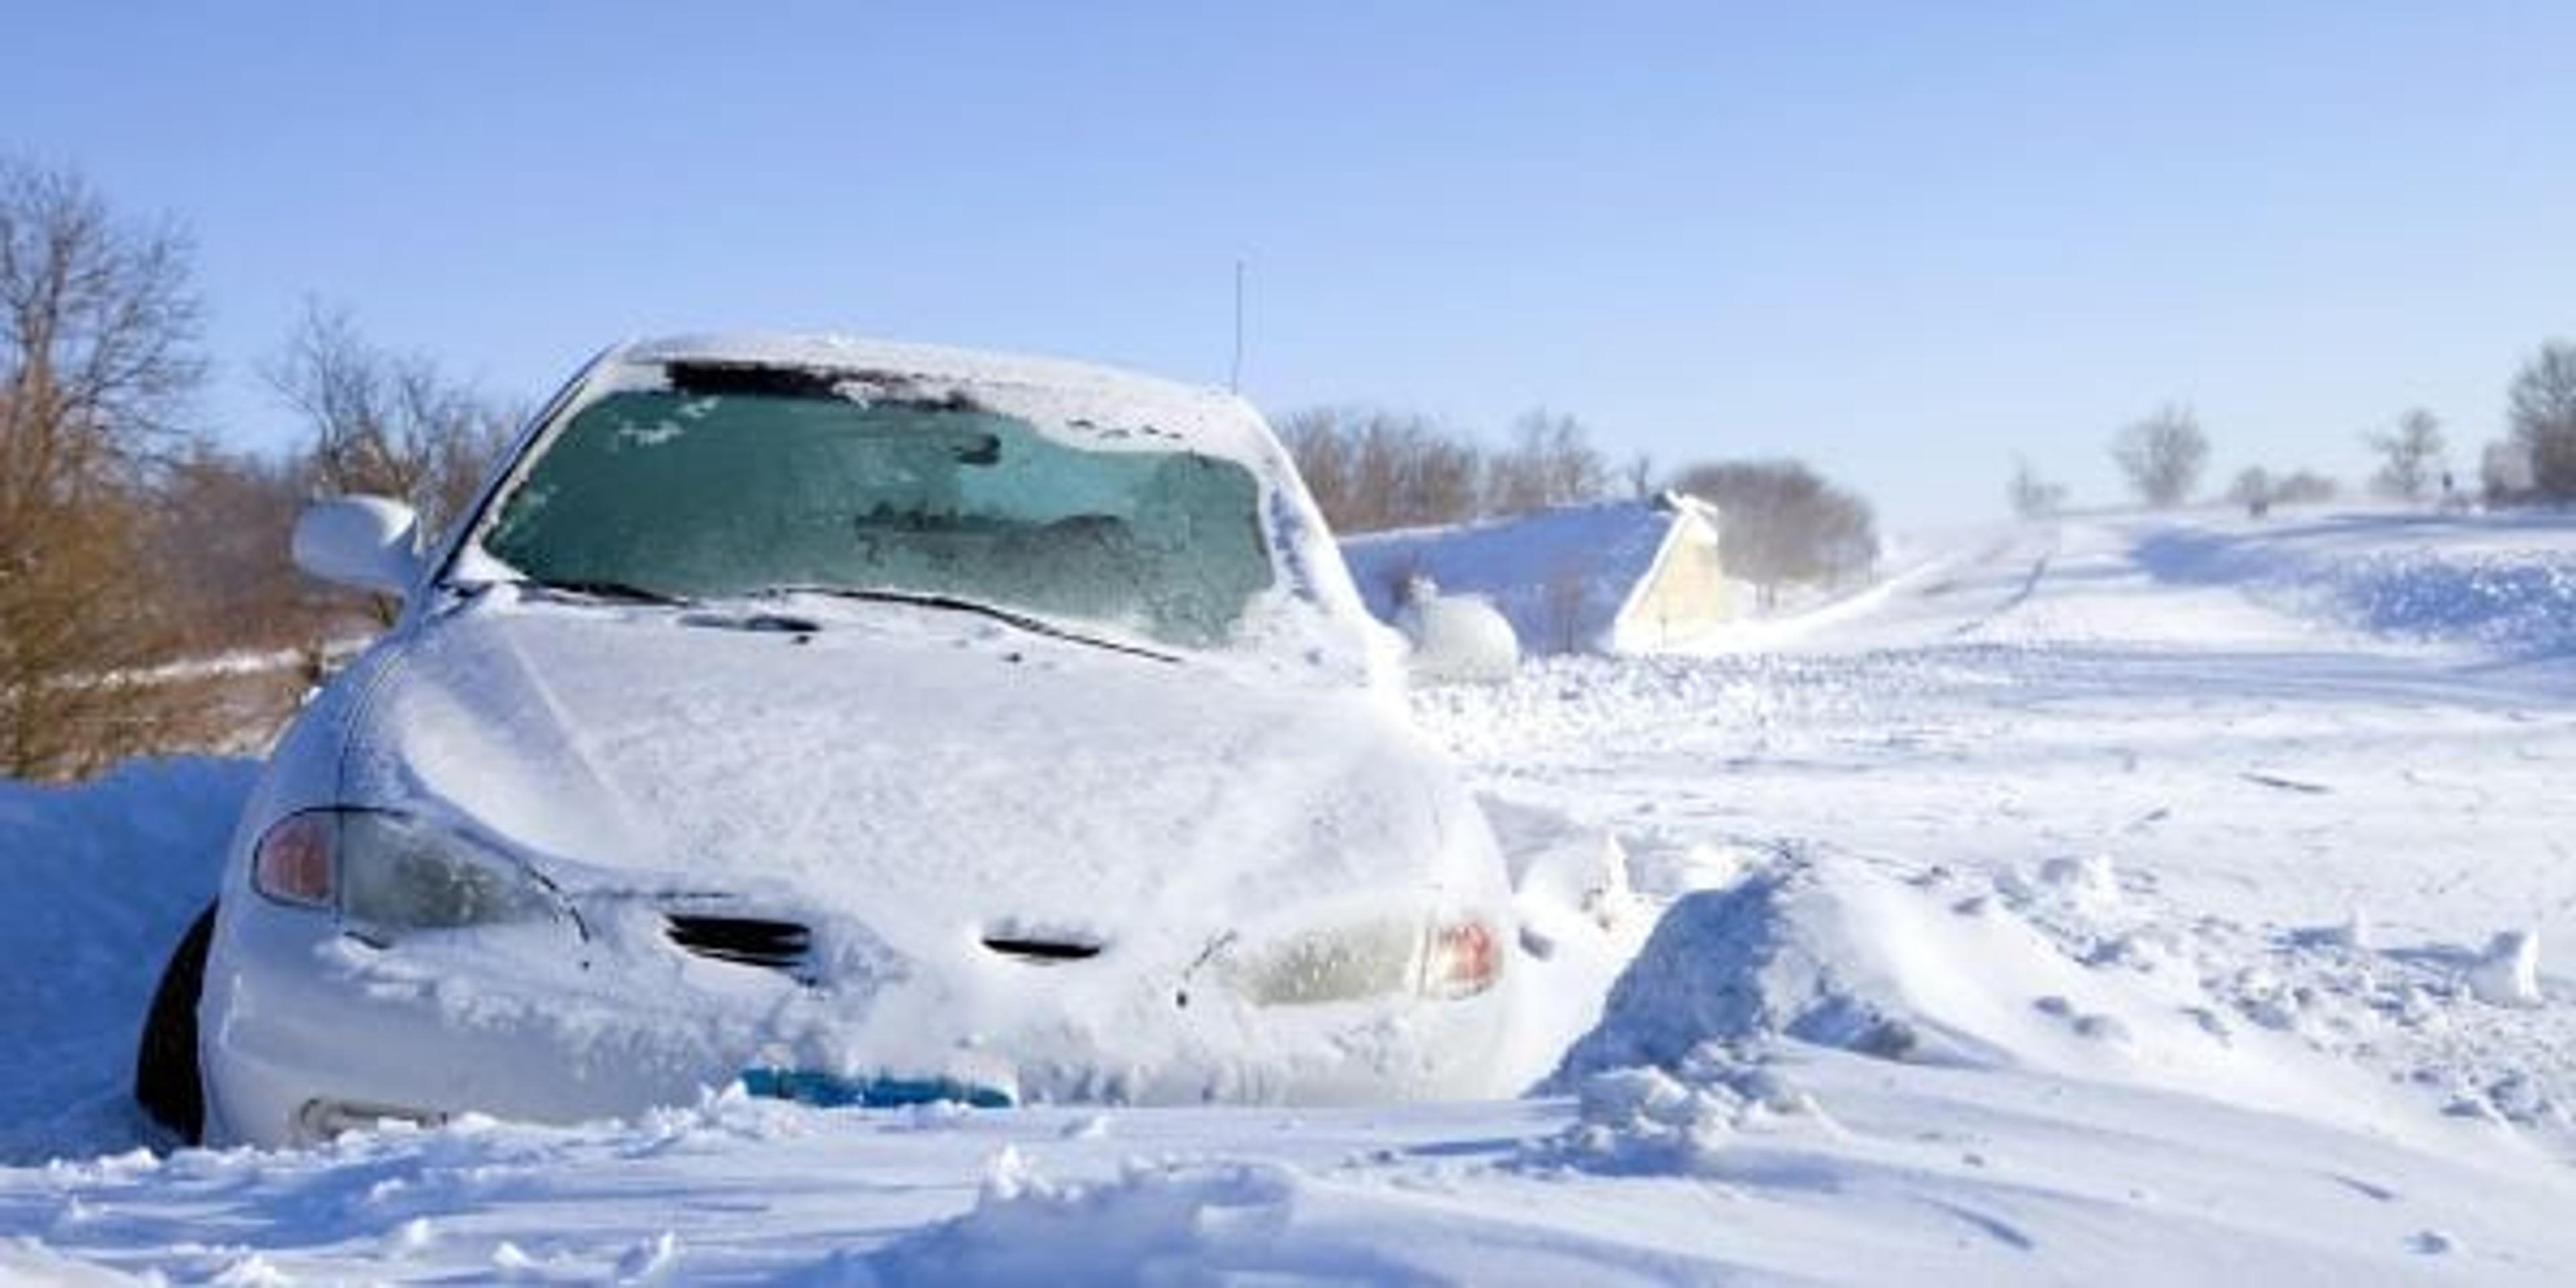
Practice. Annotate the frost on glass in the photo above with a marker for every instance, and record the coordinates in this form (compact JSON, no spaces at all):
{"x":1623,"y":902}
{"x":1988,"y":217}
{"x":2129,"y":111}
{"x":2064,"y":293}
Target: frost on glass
{"x":708,"y":496}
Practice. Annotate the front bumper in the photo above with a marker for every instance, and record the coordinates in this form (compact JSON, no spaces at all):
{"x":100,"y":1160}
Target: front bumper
{"x":306,"y":1031}
{"x":303,"y":1030}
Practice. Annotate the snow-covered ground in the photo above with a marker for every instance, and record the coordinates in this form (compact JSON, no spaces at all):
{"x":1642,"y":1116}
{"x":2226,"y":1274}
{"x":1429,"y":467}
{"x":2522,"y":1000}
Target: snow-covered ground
{"x":2120,"y":900}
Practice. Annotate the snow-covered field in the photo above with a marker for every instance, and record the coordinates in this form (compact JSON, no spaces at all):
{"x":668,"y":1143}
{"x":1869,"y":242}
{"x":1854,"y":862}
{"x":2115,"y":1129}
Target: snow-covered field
{"x":2118,"y":901}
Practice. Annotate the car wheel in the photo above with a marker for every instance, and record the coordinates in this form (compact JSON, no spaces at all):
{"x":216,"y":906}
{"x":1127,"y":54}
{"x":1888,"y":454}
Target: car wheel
{"x":166,"y":1082}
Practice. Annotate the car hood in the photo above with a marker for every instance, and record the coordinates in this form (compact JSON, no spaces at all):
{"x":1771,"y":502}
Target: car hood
{"x":940,"y":776}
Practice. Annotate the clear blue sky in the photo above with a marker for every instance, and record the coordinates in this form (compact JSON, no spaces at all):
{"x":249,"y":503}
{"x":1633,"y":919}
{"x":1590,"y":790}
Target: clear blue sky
{"x":1904,"y":241}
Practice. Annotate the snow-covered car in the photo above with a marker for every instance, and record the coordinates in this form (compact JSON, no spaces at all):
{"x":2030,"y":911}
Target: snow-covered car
{"x":867,"y":723}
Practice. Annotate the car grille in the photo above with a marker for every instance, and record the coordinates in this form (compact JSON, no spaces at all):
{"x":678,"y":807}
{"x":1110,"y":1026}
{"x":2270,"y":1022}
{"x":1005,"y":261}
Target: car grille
{"x":747,"y":941}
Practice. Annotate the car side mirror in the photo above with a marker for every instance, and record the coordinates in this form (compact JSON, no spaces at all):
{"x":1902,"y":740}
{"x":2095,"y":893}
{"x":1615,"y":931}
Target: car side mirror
{"x":362,"y":542}
{"x":1458,"y":638}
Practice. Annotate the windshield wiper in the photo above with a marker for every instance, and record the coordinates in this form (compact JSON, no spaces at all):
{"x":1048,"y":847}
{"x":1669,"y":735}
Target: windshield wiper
{"x":932,"y":599}
{"x":619,"y":591}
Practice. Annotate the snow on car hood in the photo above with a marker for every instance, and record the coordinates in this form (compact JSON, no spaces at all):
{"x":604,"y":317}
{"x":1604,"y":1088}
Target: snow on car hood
{"x":938,"y":776}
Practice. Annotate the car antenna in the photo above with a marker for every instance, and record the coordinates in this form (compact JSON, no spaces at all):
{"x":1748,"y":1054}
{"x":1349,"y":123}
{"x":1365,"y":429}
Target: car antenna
{"x":1234,"y":375}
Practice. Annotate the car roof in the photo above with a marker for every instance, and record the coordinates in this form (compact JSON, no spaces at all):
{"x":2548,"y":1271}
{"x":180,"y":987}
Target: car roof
{"x":1059,"y":394}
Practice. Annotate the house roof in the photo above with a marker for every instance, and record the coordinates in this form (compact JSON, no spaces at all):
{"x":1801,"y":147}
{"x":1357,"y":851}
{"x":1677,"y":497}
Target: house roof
{"x":1563,"y":576}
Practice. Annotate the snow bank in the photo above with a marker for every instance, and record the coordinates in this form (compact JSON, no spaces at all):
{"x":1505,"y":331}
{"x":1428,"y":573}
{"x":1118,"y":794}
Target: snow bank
{"x":2501,"y":582}
{"x":117,"y":868}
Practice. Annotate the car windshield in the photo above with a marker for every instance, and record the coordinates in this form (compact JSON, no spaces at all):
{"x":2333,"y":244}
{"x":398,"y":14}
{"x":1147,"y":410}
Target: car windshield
{"x":714,"y":495}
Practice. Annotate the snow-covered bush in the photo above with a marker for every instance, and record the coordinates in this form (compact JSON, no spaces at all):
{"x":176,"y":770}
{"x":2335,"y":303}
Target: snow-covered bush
{"x":1458,"y":638}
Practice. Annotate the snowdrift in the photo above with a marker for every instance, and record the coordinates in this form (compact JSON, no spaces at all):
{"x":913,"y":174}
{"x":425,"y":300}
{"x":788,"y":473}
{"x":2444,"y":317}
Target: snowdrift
{"x":2505,"y":583}
{"x":2045,"y":972}
{"x":2127,"y":903}
{"x":108,"y":874}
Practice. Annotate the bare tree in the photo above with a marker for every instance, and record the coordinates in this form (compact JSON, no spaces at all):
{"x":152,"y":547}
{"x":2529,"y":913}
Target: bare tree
{"x":2304,"y":487}
{"x":1551,"y":462}
{"x":98,"y":357}
{"x":1371,"y":469}
{"x":1780,"y":523}
{"x":2259,"y":489}
{"x":2541,"y":405}
{"x":2410,"y":454}
{"x":1408,"y":472}
{"x":220,"y":528}
{"x":1321,"y":451}
{"x":1436,"y":472}
{"x":1639,"y":474}
{"x":2253,"y":490}
{"x":2162,"y":455}
{"x":1565,"y":600}
{"x":386,"y":423}
{"x":2504,"y":472}
{"x":2032,"y":496}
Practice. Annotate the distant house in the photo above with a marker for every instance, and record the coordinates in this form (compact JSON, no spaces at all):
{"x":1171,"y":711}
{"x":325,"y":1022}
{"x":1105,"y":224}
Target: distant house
{"x":1614,"y":577}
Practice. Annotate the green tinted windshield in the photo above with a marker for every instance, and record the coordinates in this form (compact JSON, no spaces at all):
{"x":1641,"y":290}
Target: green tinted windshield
{"x":715,"y":495}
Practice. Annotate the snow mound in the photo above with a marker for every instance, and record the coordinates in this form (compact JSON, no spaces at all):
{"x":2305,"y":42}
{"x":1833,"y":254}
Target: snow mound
{"x":1756,"y":960}
{"x":2040,"y":972}
{"x":120,"y":866}
{"x":1644,"y":1121}
{"x":1175,"y":1222}
{"x":2508,"y":973}
{"x":1458,"y":639}
{"x":1834,"y":952}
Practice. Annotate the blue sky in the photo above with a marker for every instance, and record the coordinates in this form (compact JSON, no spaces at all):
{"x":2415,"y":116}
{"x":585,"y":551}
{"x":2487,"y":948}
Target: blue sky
{"x":1904,"y":241}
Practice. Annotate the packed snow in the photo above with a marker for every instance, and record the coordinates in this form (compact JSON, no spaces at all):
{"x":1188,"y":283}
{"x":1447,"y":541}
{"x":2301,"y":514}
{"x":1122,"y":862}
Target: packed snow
{"x":2118,"y":900}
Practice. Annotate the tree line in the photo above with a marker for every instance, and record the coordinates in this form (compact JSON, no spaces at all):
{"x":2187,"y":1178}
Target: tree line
{"x":2161,"y":457}
{"x":1372,"y":469}
{"x":138,"y":557}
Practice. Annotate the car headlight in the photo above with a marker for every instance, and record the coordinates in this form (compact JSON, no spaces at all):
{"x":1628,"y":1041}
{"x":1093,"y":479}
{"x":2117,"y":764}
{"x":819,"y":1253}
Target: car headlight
{"x":1449,"y":956}
{"x":391,"y":872}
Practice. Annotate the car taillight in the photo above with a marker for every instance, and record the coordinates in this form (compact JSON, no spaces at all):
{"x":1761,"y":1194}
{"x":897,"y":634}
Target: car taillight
{"x":1463,"y":958}
{"x":293,"y":863}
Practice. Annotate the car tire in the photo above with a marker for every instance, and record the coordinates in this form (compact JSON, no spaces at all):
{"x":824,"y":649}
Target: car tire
{"x":166,"y":1080}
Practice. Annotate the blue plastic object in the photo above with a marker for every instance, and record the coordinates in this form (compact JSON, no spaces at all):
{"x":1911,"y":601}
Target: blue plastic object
{"x":831,"y":1091}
